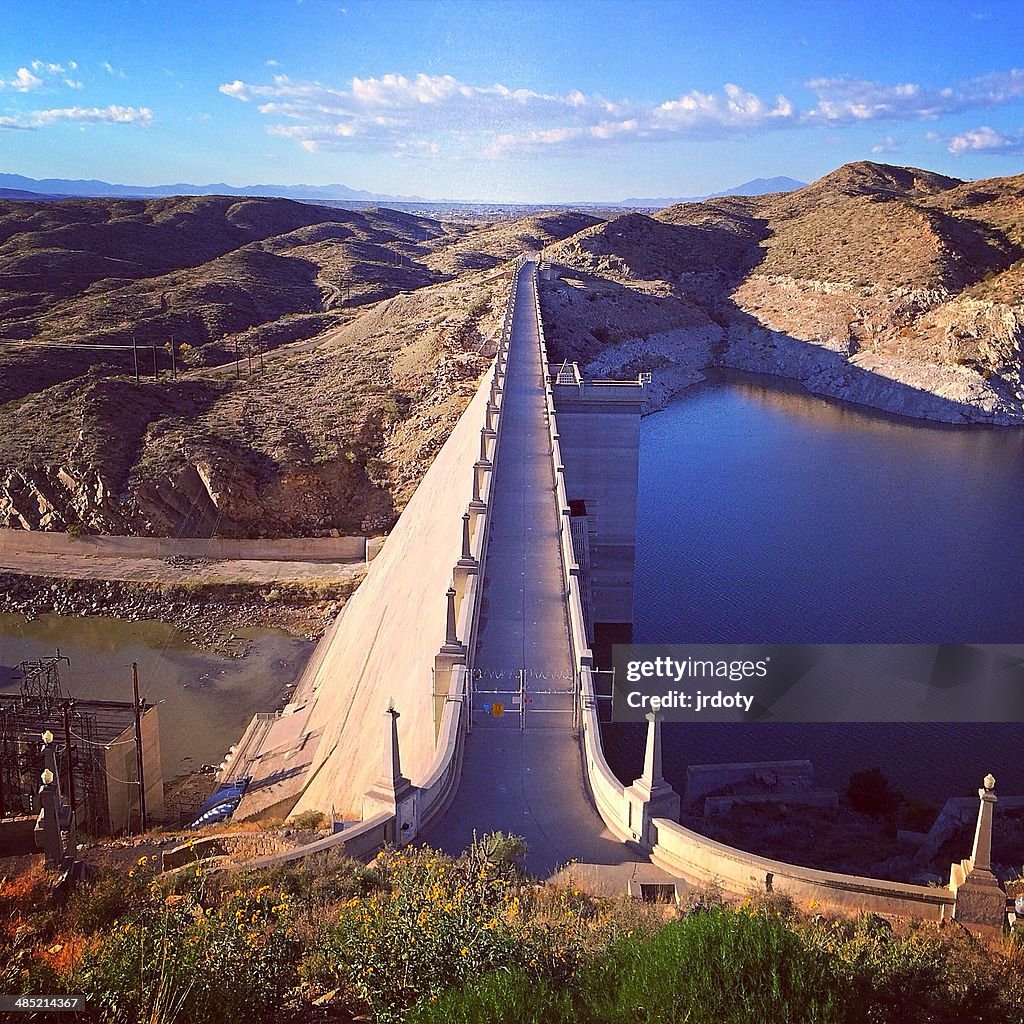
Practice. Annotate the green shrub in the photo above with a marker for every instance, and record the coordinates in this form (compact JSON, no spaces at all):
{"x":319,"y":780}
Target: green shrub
{"x":188,"y":963}
{"x":925,"y":976}
{"x":715,"y":967}
{"x":308,"y":819}
{"x":502,"y":997}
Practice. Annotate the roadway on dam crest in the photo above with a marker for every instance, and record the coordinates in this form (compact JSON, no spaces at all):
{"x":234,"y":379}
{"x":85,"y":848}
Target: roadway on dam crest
{"x":526,"y":782}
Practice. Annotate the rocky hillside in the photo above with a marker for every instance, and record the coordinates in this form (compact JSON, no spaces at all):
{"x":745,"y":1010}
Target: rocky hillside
{"x":892,"y":287}
{"x":359,"y":338}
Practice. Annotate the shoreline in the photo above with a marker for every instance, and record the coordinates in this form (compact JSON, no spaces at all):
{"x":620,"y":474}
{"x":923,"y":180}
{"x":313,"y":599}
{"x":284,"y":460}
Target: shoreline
{"x":207,"y":615}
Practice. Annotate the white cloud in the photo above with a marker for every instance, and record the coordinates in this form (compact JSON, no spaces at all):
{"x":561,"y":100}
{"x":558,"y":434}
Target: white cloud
{"x":113,"y":114}
{"x":95,"y":115}
{"x":887,"y":144}
{"x":112,"y":71}
{"x":844,"y":100}
{"x":985,"y":140}
{"x":23,"y":81}
{"x":271,"y":63}
{"x":427,"y":113}
{"x":41,"y":73}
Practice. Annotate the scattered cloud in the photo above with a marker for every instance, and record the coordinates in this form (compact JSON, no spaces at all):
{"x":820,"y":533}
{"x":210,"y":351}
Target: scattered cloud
{"x":40,"y":74}
{"x":113,"y":114}
{"x":271,"y":63}
{"x":23,"y":81}
{"x":845,"y":100}
{"x":112,"y":71}
{"x":427,"y":114}
{"x":985,"y":140}
{"x":887,"y":144}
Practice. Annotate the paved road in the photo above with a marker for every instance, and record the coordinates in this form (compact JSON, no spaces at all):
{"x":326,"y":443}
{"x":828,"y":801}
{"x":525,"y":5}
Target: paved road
{"x":530,"y":782}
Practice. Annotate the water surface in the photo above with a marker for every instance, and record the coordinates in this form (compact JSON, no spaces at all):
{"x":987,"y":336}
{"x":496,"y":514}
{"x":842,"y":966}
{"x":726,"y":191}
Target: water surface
{"x":208,"y":699}
{"x":770,"y":515}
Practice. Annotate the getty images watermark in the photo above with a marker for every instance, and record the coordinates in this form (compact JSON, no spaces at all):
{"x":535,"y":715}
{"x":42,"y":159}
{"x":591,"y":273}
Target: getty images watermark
{"x":819,"y":682}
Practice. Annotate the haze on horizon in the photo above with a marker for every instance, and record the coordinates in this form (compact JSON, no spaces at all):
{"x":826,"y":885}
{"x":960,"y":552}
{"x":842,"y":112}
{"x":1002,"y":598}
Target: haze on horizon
{"x":508,"y":102}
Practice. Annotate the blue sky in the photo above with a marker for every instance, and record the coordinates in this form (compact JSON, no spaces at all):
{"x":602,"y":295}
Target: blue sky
{"x":529,"y":101}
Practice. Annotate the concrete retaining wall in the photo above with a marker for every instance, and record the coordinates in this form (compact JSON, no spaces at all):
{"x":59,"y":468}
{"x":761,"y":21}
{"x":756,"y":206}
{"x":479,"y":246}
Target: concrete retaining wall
{"x":691,"y":855}
{"x":287,"y":549}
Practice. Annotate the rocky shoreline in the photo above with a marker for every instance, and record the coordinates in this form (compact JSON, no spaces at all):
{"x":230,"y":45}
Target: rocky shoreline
{"x":208,"y":616}
{"x":678,"y":360}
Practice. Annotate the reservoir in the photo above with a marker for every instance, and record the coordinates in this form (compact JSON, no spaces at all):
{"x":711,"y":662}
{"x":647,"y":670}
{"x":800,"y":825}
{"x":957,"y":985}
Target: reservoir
{"x":770,"y":515}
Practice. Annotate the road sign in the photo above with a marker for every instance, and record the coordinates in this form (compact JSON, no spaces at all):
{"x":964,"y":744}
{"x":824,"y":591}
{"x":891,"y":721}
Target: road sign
{"x":487,"y":709}
{"x":497,"y":709}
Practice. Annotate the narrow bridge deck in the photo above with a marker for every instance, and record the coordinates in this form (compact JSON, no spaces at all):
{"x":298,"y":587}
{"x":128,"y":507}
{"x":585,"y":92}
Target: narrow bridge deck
{"x":530,"y":782}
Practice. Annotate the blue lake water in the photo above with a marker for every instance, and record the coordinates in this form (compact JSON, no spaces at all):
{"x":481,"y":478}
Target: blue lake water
{"x":770,"y":515}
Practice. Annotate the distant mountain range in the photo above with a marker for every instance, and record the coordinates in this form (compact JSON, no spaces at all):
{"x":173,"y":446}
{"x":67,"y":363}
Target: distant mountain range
{"x":48,"y":188}
{"x":756,"y":187}
{"x":17,"y":186}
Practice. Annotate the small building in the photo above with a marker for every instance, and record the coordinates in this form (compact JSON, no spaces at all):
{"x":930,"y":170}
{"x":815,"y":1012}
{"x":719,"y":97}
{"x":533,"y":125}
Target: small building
{"x":103,"y":781}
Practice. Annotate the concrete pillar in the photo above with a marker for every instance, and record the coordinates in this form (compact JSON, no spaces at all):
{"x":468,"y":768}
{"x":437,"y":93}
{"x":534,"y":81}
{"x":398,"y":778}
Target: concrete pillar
{"x":393,"y":793}
{"x":48,"y":835}
{"x":54,"y":816}
{"x":651,"y":796}
{"x":478,"y":505}
{"x":467,"y":561}
{"x":980,"y":900}
{"x":451,"y":638}
{"x":483,"y":448}
{"x":652,"y":775}
{"x":981,"y":853}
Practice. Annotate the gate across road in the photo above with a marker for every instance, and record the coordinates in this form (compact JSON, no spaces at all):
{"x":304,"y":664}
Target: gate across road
{"x":516,"y":697}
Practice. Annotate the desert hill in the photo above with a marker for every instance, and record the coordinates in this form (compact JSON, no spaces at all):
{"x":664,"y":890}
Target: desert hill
{"x":365,"y":332}
{"x":911,"y":277}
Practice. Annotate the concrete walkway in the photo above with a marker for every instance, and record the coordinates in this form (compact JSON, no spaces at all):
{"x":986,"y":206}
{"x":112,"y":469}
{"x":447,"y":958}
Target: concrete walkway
{"x":528,"y":783}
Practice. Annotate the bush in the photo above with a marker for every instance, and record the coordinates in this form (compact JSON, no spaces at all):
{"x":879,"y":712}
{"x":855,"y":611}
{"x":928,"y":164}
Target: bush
{"x":190,"y":963}
{"x":308,"y":819}
{"x":869,"y":792}
{"x":715,"y":967}
{"x":503,"y":997}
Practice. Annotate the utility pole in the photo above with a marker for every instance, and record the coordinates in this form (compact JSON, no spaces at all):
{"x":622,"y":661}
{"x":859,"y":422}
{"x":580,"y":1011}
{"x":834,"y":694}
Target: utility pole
{"x":68,"y":706}
{"x":174,"y":362}
{"x":138,"y":747}
{"x":156,"y":372}
{"x":135,"y":353}
{"x":237,"y":371}
{"x":248,"y":355}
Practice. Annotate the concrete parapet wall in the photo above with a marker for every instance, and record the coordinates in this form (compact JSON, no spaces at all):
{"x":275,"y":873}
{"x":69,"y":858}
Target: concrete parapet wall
{"x":606,"y":791}
{"x":691,"y":855}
